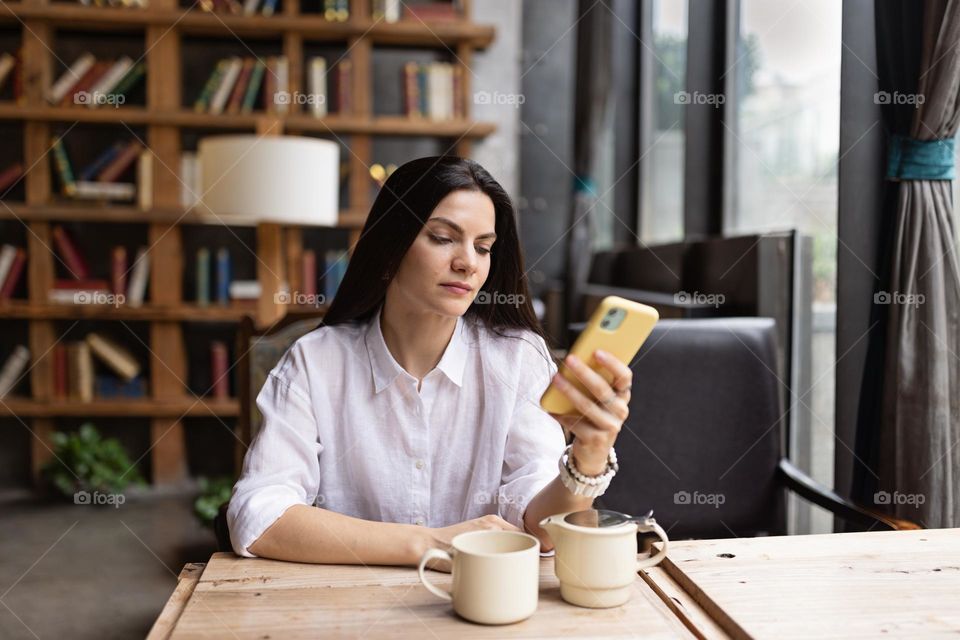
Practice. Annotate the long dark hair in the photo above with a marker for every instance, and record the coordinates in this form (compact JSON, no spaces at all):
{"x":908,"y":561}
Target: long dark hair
{"x":401,"y":209}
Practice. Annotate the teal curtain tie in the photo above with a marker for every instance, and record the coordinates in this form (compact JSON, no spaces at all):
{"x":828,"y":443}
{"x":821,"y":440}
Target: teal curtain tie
{"x":911,"y":159}
{"x":584,"y":185}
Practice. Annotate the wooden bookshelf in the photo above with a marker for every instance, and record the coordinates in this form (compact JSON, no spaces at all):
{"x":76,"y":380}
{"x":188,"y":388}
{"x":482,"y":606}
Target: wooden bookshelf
{"x":163,"y":118}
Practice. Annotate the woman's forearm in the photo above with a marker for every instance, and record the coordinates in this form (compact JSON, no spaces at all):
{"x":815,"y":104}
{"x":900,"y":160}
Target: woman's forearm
{"x":312,"y":534}
{"x":552,"y":499}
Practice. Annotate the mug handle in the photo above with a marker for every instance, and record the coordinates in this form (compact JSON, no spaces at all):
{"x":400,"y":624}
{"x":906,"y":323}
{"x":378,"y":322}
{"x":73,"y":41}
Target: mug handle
{"x":651,"y":525}
{"x":434,"y":554}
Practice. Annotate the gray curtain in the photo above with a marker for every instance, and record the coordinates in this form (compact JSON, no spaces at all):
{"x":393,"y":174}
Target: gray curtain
{"x":920,"y":422}
{"x":592,"y":112}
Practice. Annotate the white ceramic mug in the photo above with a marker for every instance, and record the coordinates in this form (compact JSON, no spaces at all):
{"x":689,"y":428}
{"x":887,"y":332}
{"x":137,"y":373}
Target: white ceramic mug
{"x":496,"y":575}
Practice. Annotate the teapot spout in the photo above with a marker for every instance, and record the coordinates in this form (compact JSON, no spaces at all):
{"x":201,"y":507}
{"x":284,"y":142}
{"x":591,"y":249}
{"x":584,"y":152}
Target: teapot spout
{"x":550,"y":524}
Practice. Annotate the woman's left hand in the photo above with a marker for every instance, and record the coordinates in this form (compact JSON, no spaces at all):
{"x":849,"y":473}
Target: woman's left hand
{"x":600,"y":416}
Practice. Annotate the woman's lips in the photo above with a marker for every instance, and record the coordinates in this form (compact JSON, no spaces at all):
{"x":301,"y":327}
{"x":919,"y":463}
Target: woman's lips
{"x":460,"y":291}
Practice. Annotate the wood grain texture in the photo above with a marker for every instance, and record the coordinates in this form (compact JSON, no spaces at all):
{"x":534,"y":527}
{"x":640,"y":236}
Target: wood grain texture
{"x":865,"y":585}
{"x":255,"y":598}
{"x":186,"y":582}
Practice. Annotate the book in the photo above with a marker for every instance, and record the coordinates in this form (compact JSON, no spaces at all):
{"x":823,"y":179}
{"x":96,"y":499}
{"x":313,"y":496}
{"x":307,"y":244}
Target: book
{"x":7,"y":254}
{"x":84,"y":190}
{"x":13,"y":368}
{"x":239,"y":88}
{"x":189,"y":180}
{"x":10,"y":177}
{"x":118,"y":271}
{"x":121,"y":162}
{"x":106,"y":386}
{"x":104,"y":85}
{"x":317,"y":86}
{"x":100,"y":162}
{"x":411,"y":93}
{"x":309,"y":278}
{"x":229,"y":77}
{"x":79,"y":292}
{"x":245,"y":290}
{"x":138,"y":278}
{"x":70,"y":255}
{"x":223,"y":276}
{"x":13,"y":276}
{"x":250,"y":7}
{"x":219,"y":367}
{"x":60,"y":370}
{"x":210,"y":86}
{"x":64,"y":169}
{"x":145,"y":180}
{"x":281,"y":70}
{"x":133,"y":76}
{"x":116,"y":357}
{"x":79,"y":93}
{"x":7,"y":64}
{"x":80,"y":371}
{"x":70,"y":77}
{"x":269,"y":7}
{"x":203,"y":276}
{"x":253,"y":87}
{"x":344,"y":86}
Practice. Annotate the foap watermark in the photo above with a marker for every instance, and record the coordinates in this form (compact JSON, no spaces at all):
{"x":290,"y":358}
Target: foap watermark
{"x":696,"y":97}
{"x":484,"y":497}
{"x":99,"y":99}
{"x":895,"y":498}
{"x":99,"y":297}
{"x":282,"y":98}
{"x":713,"y":299}
{"x":697,"y":498}
{"x":895,"y":297}
{"x":496,"y":297}
{"x":299,"y":298}
{"x":98,"y":498}
{"x":498,"y":98}
{"x":896,"y":97}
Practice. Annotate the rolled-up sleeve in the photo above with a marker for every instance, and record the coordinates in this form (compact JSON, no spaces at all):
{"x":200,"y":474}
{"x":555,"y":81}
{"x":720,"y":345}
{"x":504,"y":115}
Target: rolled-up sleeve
{"x":280,"y":469}
{"x":535,"y":440}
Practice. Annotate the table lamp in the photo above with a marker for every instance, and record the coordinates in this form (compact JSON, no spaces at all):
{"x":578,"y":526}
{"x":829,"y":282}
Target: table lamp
{"x":284,"y":179}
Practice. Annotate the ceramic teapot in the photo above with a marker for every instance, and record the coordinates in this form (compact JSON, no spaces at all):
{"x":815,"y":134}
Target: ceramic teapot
{"x":596,"y":554}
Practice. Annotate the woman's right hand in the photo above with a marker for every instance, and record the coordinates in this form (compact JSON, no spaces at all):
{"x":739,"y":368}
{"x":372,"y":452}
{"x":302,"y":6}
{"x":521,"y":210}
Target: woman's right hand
{"x":441,"y":537}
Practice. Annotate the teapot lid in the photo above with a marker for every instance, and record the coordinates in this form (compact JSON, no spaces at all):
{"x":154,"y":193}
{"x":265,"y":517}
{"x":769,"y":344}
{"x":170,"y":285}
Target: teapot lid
{"x":601,"y":518}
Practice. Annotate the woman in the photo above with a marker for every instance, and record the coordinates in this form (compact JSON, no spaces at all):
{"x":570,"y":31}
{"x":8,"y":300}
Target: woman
{"x":412,"y":414}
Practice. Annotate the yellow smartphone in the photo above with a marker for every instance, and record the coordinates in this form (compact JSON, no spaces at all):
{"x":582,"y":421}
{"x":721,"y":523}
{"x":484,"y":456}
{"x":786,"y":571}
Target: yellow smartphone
{"x":619,"y":327}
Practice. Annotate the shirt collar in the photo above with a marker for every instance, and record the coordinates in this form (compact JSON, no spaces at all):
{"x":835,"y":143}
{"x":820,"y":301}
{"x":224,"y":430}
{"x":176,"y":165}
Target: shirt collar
{"x":386,"y":369}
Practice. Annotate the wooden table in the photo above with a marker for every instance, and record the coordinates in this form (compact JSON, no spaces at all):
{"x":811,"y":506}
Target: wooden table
{"x":857,"y":585}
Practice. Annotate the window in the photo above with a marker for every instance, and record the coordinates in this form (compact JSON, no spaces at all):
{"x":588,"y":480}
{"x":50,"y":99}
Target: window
{"x":782,"y":135}
{"x":663,"y":74}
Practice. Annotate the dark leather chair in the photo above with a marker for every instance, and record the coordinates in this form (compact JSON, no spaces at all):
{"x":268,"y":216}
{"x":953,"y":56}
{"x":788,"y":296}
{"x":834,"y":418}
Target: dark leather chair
{"x":704,"y":444}
{"x":259,"y":350}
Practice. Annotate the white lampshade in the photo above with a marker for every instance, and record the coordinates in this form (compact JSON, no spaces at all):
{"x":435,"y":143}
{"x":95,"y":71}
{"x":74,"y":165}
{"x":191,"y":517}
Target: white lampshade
{"x":288,"y":179}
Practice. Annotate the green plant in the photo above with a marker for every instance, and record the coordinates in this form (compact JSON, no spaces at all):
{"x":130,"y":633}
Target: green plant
{"x":213,"y":494}
{"x":85,"y":461}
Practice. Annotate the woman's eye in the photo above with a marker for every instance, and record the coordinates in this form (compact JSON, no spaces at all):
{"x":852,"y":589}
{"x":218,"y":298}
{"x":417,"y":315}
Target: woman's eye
{"x":440,"y":239}
{"x":483,"y":251}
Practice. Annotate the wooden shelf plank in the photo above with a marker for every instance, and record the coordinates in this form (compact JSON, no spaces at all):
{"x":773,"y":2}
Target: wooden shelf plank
{"x":106,"y":213}
{"x":383,"y":125}
{"x":17,"y":309}
{"x":315,"y":27}
{"x":192,"y":407}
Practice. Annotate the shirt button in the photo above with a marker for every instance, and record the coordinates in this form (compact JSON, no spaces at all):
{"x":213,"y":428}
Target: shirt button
{"x":419,"y":522}
{"x":419,"y":464}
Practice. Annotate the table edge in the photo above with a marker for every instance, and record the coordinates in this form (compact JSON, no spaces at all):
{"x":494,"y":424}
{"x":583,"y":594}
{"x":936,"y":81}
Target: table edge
{"x":187,"y":581}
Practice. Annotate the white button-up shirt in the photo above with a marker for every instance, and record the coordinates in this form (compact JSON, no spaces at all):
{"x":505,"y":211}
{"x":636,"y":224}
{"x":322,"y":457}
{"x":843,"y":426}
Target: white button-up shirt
{"x":345,"y":428}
